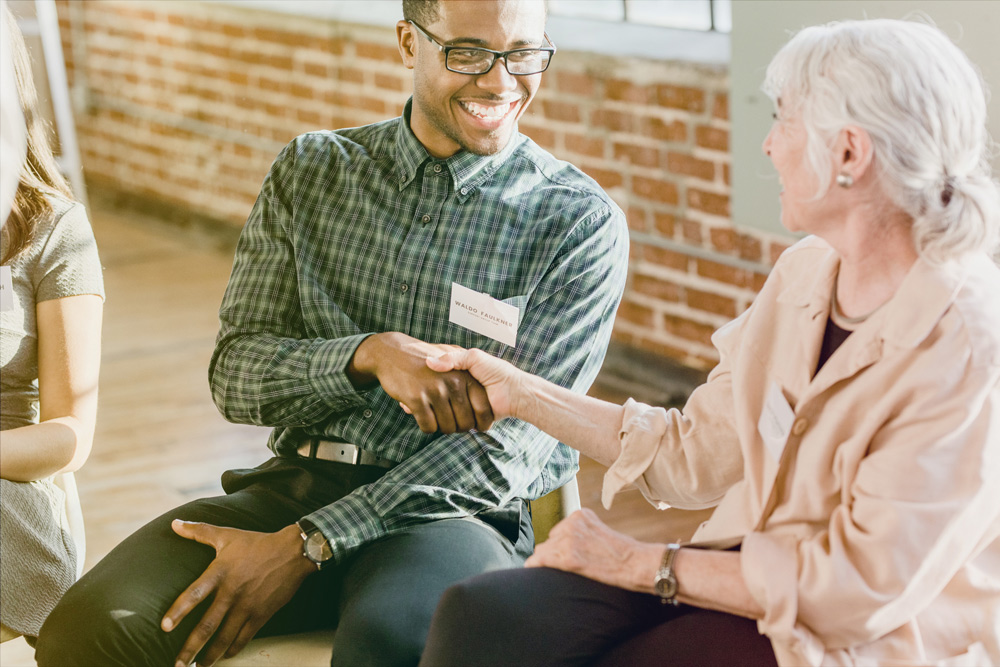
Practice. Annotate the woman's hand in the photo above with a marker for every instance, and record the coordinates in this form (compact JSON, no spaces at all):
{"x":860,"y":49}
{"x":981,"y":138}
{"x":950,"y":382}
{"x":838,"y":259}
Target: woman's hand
{"x":501,"y":380}
{"x":583,"y":544}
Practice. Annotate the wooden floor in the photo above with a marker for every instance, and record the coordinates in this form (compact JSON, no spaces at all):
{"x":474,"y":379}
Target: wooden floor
{"x":160,"y":440}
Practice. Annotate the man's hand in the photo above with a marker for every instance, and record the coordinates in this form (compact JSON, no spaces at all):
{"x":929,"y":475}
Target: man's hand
{"x":583,"y":544}
{"x":447,"y":402}
{"x":253,"y":575}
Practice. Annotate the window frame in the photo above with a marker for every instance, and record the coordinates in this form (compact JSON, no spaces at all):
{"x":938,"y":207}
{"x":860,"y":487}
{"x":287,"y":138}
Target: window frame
{"x":612,"y":38}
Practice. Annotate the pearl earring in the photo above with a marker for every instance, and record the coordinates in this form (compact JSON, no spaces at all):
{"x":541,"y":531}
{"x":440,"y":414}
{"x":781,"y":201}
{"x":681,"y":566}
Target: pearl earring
{"x":845,"y":180}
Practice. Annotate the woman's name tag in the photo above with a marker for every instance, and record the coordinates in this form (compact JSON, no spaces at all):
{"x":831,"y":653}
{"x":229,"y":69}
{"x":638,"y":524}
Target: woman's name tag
{"x":775,"y":421}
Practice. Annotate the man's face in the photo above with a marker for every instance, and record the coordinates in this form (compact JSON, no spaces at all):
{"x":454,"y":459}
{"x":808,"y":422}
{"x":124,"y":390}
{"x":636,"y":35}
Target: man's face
{"x":473,"y":112}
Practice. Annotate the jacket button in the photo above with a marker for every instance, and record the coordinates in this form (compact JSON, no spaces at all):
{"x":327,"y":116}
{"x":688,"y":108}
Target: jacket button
{"x":800,"y":427}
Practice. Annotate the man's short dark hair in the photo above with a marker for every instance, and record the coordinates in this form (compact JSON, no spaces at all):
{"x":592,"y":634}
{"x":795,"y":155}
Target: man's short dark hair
{"x":423,"y":12}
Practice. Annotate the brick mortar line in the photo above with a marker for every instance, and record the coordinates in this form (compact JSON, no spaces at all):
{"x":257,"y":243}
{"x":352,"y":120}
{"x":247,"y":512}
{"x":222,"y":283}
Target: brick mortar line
{"x":192,"y":125}
{"x":699,"y":253}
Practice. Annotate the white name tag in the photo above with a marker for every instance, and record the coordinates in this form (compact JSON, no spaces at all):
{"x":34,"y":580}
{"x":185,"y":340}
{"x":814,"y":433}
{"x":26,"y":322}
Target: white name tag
{"x":483,"y":314}
{"x":6,"y":289}
{"x":775,"y":421}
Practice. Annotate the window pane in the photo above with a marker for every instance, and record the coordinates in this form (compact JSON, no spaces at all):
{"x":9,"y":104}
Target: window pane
{"x":723,"y":15}
{"x":607,"y":10}
{"x":691,"y":14}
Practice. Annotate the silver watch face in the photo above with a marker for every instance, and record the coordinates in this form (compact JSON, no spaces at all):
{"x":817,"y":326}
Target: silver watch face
{"x":317,"y":549}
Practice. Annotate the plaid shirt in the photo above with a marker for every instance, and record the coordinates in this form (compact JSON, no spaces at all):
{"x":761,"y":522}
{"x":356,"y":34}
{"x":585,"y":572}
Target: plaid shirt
{"x":361,"y":231}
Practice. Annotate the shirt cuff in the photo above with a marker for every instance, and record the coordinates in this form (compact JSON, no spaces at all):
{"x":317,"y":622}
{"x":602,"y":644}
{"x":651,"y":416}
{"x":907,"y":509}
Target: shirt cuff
{"x":641,"y":433}
{"x":770,"y":569}
{"x":347,"y":524}
{"x":328,"y":372}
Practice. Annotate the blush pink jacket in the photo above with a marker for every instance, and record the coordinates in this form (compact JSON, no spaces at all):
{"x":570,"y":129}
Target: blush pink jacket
{"x":873,"y":536}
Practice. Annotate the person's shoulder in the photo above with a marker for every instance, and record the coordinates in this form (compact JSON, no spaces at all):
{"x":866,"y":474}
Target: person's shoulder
{"x":68,"y":218}
{"x":346,"y":143}
{"x":976,"y":305}
{"x":569,"y":180}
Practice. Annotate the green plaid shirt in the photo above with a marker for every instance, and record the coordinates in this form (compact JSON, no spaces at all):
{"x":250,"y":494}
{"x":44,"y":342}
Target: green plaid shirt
{"x":361,"y":231}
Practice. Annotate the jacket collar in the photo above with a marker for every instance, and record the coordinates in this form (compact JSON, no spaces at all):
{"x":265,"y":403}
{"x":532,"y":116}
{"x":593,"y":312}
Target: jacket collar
{"x":906,"y":319}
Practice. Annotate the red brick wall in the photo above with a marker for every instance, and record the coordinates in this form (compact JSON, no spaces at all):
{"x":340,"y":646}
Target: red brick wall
{"x":189,"y":103}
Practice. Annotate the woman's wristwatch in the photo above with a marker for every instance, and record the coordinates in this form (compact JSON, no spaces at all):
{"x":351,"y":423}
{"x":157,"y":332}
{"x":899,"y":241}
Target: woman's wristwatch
{"x":665,"y":582}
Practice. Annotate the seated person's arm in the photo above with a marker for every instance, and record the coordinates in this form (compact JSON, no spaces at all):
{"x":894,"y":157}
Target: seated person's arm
{"x":69,"y":359}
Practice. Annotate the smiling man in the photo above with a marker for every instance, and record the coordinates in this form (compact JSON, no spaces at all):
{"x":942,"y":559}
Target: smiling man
{"x":365,"y":246}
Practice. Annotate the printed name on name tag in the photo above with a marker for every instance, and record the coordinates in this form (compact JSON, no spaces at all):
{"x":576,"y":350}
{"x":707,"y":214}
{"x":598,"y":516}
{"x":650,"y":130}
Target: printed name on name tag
{"x":483,"y":314}
{"x":6,"y":289}
{"x":775,"y":421}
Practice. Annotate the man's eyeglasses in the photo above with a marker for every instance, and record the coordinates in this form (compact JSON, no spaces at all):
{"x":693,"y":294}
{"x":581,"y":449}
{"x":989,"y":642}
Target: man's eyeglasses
{"x":474,"y":60}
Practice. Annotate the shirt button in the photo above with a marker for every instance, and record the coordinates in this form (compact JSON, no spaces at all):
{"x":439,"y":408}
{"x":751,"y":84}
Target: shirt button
{"x":465,"y":191}
{"x":425,"y":219}
{"x":800,"y":427}
{"x":437,"y":169}
{"x":367,"y":414}
{"x":404,"y":287}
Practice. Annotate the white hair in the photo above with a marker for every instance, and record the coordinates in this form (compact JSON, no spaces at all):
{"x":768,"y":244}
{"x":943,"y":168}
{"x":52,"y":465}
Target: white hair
{"x":922,"y":102}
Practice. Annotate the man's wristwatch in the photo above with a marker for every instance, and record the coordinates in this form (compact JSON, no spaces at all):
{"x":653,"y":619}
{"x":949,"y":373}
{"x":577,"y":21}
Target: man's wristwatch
{"x":314,"y":546}
{"x":666,"y":580}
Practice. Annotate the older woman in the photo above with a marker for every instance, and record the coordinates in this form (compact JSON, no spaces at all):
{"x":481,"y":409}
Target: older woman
{"x":850,"y":435}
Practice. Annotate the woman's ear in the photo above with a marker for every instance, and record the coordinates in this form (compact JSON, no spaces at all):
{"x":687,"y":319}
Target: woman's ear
{"x":406,"y":42}
{"x":854,"y":152}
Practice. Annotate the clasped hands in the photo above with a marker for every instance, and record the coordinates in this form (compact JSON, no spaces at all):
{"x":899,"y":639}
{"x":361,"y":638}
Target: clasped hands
{"x":446,"y":388}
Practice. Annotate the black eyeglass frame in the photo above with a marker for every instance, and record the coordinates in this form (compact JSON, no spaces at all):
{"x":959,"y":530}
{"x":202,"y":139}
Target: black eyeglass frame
{"x":497,"y":55}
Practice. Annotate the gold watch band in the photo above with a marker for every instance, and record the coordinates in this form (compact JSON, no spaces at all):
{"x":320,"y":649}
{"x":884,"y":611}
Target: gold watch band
{"x":665,"y":583}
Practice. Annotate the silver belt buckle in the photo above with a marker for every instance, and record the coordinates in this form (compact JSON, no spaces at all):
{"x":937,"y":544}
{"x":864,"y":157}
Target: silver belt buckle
{"x":341,"y":452}
{"x":326,"y":450}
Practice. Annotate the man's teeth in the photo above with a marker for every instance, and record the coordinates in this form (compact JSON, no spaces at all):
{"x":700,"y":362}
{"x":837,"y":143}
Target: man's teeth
{"x":484,"y":111}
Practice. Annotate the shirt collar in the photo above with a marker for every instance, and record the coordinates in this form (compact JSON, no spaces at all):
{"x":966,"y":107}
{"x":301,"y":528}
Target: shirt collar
{"x":908,"y":317}
{"x":468,"y":170}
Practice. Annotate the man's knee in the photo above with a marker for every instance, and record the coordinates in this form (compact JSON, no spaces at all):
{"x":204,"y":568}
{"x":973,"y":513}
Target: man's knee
{"x":376,"y":636}
{"x":87,"y":628}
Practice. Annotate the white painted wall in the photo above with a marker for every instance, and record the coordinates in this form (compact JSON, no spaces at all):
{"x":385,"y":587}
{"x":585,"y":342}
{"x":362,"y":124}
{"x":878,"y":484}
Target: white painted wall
{"x":760,"y":27}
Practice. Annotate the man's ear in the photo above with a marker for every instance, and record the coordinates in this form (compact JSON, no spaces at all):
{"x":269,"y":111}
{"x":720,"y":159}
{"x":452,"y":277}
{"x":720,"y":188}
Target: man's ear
{"x":853,"y":152}
{"x":406,"y":41}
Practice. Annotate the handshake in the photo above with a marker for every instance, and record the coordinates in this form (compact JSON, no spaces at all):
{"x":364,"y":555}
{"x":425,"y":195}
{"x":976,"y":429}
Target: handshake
{"x":446,"y":388}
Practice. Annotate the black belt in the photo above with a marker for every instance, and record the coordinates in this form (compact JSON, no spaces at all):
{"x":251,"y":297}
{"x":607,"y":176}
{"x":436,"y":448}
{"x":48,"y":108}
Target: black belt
{"x":342,"y":452}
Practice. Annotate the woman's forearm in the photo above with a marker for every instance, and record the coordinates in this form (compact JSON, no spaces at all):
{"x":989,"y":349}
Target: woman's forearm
{"x":586,"y":424}
{"x":40,"y":450}
{"x":714,"y":580}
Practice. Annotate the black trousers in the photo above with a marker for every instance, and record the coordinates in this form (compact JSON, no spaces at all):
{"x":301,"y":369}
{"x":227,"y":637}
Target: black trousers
{"x":381,"y":599}
{"x":550,"y":618}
